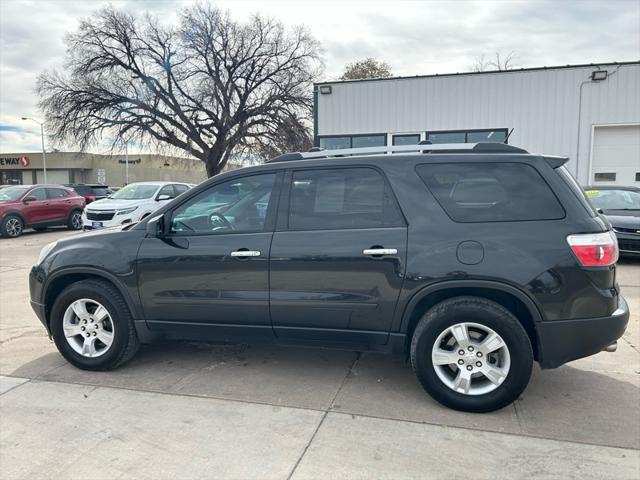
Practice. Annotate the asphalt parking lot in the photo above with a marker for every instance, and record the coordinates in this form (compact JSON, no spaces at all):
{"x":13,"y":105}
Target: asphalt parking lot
{"x":191,"y":410}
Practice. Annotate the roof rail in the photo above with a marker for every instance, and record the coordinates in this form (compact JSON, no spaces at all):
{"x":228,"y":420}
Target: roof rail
{"x":398,"y":149}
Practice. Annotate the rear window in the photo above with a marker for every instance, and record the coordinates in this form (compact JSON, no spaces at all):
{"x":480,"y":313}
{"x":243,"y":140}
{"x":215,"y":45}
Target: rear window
{"x":491,"y":192}
{"x":101,"y":191}
{"x":82,"y":190}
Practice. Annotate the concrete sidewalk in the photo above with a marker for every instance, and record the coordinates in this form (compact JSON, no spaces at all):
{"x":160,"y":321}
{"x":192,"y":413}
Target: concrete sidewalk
{"x":191,"y":410}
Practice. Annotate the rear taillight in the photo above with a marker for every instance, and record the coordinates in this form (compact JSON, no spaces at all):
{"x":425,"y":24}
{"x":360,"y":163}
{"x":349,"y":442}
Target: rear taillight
{"x":595,"y":249}
{"x":90,"y":198}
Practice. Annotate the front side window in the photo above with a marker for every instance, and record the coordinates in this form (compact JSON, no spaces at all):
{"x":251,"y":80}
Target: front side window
{"x":179,"y":188}
{"x":167,"y":190}
{"x":235,"y":206}
{"x":491,"y":192}
{"x":341,"y":198}
{"x":38,"y":194}
{"x":135,"y":191}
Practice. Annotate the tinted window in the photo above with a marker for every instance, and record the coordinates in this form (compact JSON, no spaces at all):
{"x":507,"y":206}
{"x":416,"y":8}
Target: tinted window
{"x":101,"y":191}
{"x":82,"y":190}
{"x":38,"y":194}
{"x":406,"y":139}
{"x":334,"y":143}
{"x":368,"y":141}
{"x":491,"y":192}
{"x":341,"y":198}
{"x":233,"y":206}
{"x":57,"y":193}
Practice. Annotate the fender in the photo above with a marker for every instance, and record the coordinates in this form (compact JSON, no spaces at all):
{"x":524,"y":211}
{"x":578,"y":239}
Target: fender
{"x":488,"y":284}
{"x":17,"y":214}
{"x":98,"y":273}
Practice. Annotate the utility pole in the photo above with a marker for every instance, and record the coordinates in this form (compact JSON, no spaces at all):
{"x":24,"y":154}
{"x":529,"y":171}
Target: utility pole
{"x":126,"y":163}
{"x":44,"y":153}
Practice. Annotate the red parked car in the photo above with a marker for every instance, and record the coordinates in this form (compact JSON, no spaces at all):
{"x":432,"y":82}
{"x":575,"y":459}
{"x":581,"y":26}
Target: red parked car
{"x":38,"y":207}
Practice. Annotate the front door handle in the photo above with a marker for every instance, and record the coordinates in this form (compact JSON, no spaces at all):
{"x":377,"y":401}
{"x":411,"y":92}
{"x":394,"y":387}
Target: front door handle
{"x":245,"y":253}
{"x":380,"y":251}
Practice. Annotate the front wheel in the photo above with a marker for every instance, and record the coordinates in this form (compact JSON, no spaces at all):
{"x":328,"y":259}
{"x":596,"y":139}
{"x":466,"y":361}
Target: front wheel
{"x":92,"y":327}
{"x":471,"y":354}
{"x":12,"y":226}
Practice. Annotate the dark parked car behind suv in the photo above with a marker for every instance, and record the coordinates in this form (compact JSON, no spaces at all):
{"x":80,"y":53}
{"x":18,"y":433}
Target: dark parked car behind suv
{"x":91,"y":192}
{"x":473,"y":260}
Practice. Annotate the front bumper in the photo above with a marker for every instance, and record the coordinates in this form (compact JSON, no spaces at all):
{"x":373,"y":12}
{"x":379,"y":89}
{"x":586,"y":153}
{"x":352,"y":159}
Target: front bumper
{"x":564,"y":340}
{"x":628,"y":243}
{"x":116,"y":221}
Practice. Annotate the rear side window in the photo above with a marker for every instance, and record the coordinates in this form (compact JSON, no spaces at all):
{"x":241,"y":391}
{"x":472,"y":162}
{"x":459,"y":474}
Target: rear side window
{"x":341,"y":198}
{"x":57,"y":193}
{"x":491,"y":192}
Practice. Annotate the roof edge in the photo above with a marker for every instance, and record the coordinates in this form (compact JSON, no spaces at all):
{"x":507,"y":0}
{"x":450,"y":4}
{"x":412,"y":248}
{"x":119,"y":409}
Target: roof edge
{"x":460,"y":74}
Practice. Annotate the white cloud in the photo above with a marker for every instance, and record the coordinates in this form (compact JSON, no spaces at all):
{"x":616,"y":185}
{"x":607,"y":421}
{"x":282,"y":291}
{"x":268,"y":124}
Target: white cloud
{"x":413,"y":37}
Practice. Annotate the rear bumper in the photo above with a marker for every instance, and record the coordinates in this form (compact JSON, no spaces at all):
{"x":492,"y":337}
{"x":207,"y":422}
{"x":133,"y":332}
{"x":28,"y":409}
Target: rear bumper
{"x":564,"y":340}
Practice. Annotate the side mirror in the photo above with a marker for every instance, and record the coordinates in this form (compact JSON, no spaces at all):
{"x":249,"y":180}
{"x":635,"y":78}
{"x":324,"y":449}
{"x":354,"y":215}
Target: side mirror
{"x":600,"y":211}
{"x":29,"y":199}
{"x":156,"y":226}
{"x":164,"y":197}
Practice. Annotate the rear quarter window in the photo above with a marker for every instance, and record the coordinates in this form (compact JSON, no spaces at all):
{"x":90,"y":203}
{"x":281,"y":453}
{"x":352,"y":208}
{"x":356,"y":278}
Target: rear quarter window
{"x":491,"y":192}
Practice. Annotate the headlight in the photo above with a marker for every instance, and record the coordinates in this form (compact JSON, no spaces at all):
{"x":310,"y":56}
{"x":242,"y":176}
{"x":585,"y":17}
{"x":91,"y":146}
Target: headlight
{"x":45,"y":251}
{"x":126,"y":211}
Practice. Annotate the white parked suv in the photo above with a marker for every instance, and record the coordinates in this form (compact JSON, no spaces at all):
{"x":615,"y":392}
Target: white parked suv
{"x":131,"y":203}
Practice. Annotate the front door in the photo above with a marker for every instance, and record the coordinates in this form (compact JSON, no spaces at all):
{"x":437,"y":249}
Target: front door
{"x":338,"y":257}
{"x":37,"y":209}
{"x":211,"y":268}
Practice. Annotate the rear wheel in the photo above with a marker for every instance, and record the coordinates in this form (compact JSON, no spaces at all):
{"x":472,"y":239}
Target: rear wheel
{"x":471,"y":354}
{"x":12,"y":226}
{"x":92,"y":327}
{"x":75,"y":220}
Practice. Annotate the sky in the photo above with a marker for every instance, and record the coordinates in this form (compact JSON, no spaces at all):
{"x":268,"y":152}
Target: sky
{"x":414,"y":37}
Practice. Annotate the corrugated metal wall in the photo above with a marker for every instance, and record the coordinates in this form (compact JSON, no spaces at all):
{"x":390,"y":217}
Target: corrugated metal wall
{"x":545,"y":107}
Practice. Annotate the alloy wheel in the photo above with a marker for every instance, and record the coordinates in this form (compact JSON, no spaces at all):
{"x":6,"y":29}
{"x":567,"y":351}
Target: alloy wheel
{"x":471,"y":358}
{"x":76,"y":220}
{"x":88,"y":327}
{"x":13,"y":227}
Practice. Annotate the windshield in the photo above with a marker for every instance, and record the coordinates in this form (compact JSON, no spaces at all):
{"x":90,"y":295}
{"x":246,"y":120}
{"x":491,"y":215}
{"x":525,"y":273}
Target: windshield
{"x":135,"y":192}
{"x":615,"y":199}
{"x":10,"y":194}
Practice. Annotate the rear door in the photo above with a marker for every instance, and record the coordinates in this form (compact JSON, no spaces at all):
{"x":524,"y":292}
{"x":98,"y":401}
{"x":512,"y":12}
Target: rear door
{"x":59,"y":203}
{"x":338,"y":256}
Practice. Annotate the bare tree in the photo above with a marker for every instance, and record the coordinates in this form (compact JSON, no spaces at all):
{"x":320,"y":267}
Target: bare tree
{"x":367,"y":68}
{"x":208,"y":86}
{"x":500,"y":62}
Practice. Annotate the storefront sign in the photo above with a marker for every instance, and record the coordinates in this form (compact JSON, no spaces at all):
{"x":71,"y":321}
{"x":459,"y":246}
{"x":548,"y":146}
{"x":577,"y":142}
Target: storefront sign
{"x":22,"y":161}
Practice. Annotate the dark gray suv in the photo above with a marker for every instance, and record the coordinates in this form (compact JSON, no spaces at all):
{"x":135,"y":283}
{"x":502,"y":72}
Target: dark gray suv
{"x":474,"y":260}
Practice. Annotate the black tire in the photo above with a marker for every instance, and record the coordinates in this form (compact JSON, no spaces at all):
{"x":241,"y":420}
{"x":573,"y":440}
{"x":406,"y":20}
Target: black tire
{"x":125,"y":342}
{"x":480,"y":311}
{"x":12,"y":226}
{"x":74,"y":222}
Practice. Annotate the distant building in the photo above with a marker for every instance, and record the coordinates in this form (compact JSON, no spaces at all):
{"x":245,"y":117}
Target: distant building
{"x":74,"y":167}
{"x":590,"y":113}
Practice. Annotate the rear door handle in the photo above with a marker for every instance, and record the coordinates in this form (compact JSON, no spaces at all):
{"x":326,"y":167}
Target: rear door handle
{"x":380,"y":251}
{"x":246,"y":253}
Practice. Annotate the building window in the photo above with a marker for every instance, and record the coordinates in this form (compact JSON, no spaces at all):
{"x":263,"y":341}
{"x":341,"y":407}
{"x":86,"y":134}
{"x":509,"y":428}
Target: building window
{"x":637,"y":176}
{"x":498,"y":135}
{"x":605,"y":177}
{"x":352,"y":141}
{"x":411,"y":139}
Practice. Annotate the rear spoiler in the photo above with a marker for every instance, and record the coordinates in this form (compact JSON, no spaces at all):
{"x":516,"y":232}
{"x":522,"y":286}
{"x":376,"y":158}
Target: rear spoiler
{"x":554,"y":161}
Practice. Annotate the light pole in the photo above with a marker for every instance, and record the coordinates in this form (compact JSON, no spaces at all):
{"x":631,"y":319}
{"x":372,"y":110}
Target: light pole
{"x":126,"y":163}
{"x":44,"y":154}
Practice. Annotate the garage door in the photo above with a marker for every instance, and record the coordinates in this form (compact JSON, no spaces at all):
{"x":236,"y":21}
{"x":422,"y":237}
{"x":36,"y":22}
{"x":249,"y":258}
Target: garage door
{"x":616,"y":155}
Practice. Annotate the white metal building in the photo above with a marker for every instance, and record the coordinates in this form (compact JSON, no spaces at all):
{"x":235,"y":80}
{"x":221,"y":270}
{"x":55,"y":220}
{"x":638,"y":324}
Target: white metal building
{"x":590,"y":113}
